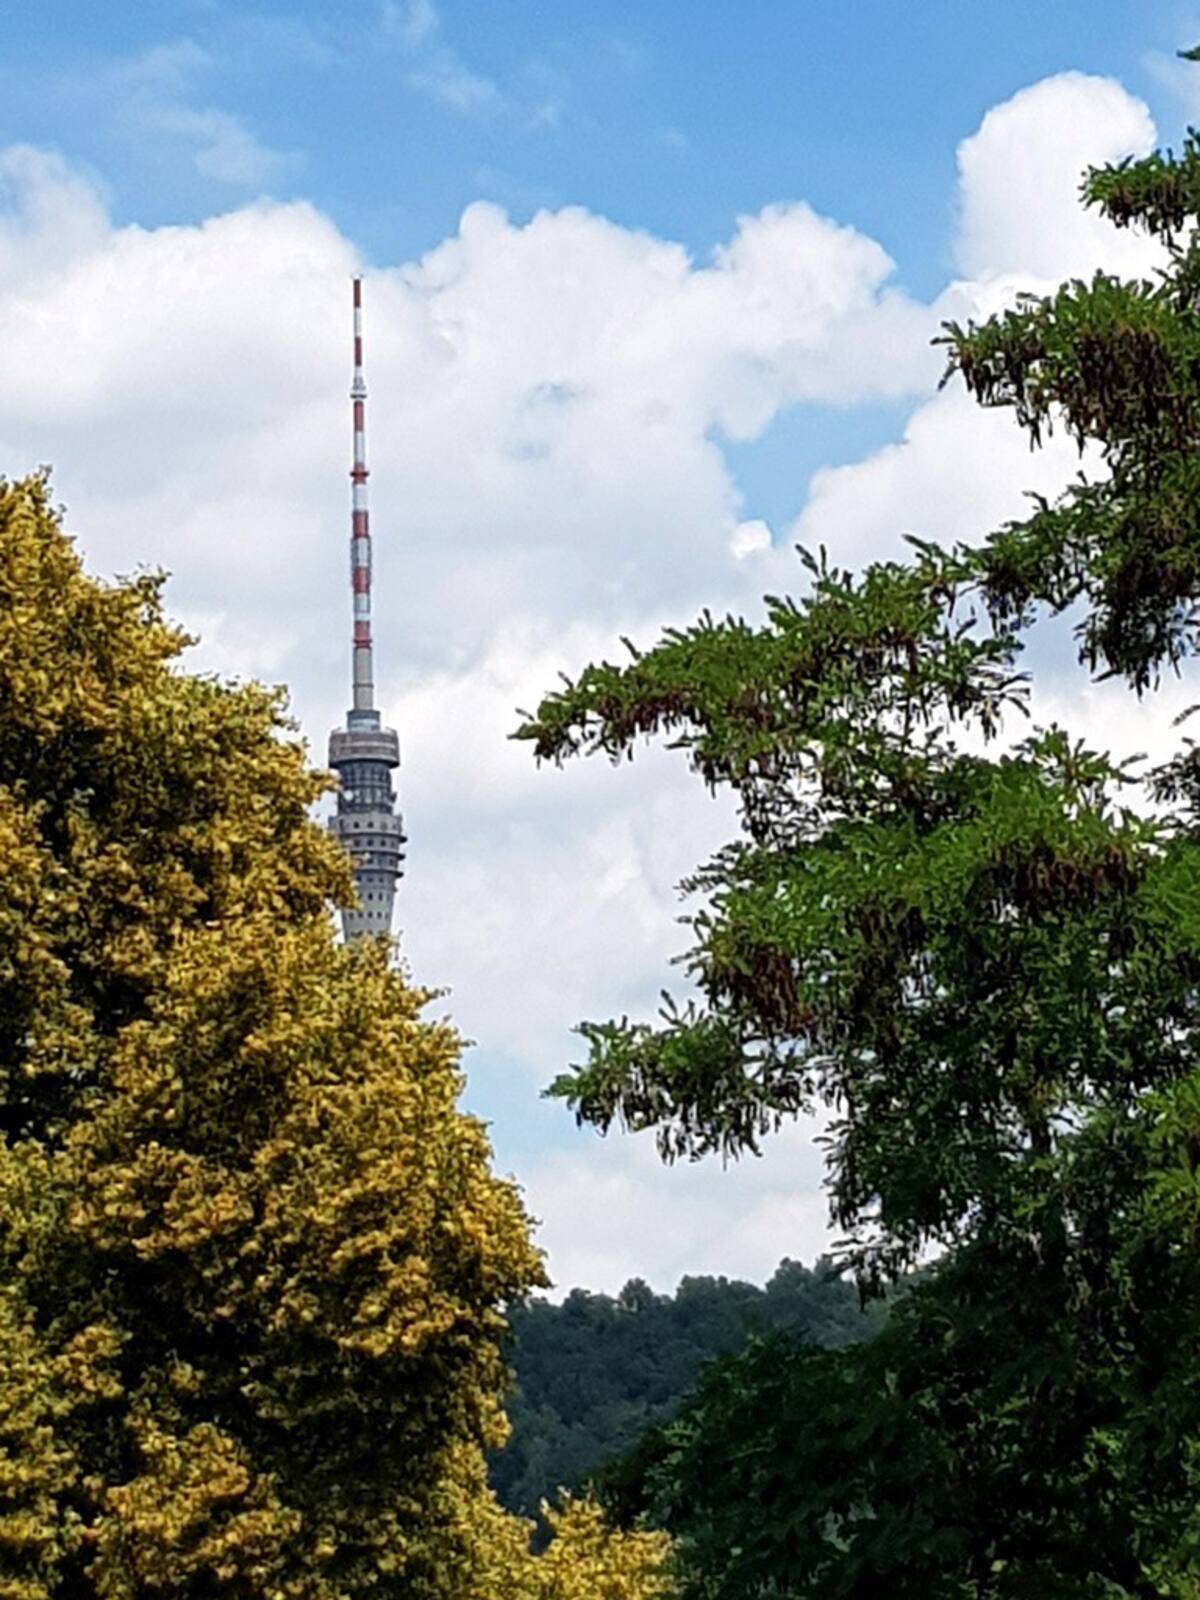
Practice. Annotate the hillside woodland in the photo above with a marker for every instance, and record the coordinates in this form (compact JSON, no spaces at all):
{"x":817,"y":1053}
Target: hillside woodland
{"x":596,"y":1372}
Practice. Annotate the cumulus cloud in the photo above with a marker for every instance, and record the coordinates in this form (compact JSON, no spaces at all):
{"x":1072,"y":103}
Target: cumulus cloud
{"x":48,"y":214}
{"x":1019,"y":178}
{"x":750,"y":538}
{"x":956,"y":473}
{"x":549,"y":408}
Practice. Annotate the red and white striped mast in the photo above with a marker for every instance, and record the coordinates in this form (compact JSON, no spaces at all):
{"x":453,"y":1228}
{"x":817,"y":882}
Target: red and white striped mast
{"x":360,"y":527}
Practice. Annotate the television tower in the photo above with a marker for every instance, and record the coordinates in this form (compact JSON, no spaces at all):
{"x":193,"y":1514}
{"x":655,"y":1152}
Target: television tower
{"x":363,"y":753}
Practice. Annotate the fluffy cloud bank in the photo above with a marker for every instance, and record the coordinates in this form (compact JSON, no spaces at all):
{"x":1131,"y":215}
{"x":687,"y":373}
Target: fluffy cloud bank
{"x":1019,"y":177}
{"x":549,"y":408}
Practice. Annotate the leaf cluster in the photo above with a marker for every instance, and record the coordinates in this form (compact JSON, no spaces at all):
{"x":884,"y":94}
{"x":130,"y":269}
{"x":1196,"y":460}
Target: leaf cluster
{"x":1117,"y":366}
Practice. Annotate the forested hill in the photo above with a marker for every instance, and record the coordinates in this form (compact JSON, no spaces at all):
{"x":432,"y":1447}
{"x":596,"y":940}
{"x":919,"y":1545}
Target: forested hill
{"x":594,"y":1372}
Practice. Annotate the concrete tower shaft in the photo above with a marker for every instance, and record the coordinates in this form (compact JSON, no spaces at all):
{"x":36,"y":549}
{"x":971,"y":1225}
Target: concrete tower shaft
{"x":364,"y":753}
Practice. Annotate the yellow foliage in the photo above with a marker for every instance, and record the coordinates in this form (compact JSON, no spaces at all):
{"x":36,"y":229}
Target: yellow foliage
{"x":587,"y":1560}
{"x":253,"y":1256}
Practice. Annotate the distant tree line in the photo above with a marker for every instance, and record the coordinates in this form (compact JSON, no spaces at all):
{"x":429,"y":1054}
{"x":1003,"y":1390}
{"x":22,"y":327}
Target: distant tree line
{"x":595,"y":1372}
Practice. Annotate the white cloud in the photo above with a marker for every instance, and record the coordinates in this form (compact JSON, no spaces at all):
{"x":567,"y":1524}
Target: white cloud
{"x":750,"y":538}
{"x":548,"y":405}
{"x":614,"y":1213}
{"x":1019,"y":178}
{"x":956,"y":473}
{"x":48,"y":214}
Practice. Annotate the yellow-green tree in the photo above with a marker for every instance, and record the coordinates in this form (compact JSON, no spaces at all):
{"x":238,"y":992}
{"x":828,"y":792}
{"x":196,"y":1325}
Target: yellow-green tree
{"x":252,"y":1257}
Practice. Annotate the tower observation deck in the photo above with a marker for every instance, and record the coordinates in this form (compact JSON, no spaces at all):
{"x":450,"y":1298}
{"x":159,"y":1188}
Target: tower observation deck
{"x":364,"y":753}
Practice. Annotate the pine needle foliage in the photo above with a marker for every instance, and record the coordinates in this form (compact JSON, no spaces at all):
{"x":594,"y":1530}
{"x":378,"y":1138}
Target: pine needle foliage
{"x":982,"y":961}
{"x":252,"y":1257}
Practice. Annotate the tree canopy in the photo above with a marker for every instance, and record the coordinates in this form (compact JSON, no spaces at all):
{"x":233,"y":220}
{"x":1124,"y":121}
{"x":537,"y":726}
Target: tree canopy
{"x":252,"y":1257}
{"x":983,"y":958}
{"x":595,"y":1372}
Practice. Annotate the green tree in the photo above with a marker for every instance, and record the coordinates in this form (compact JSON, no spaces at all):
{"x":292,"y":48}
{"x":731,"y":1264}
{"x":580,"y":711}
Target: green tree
{"x":594,"y":1373}
{"x":252,"y":1257}
{"x":988,"y":967}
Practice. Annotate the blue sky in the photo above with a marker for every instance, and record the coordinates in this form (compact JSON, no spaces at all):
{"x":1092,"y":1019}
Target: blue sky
{"x":649,"y":297}
{"x":672,"y":117}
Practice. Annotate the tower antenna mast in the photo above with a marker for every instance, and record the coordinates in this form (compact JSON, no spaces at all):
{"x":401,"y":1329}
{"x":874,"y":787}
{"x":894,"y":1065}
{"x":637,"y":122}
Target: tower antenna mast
{"x":360,"y":527}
